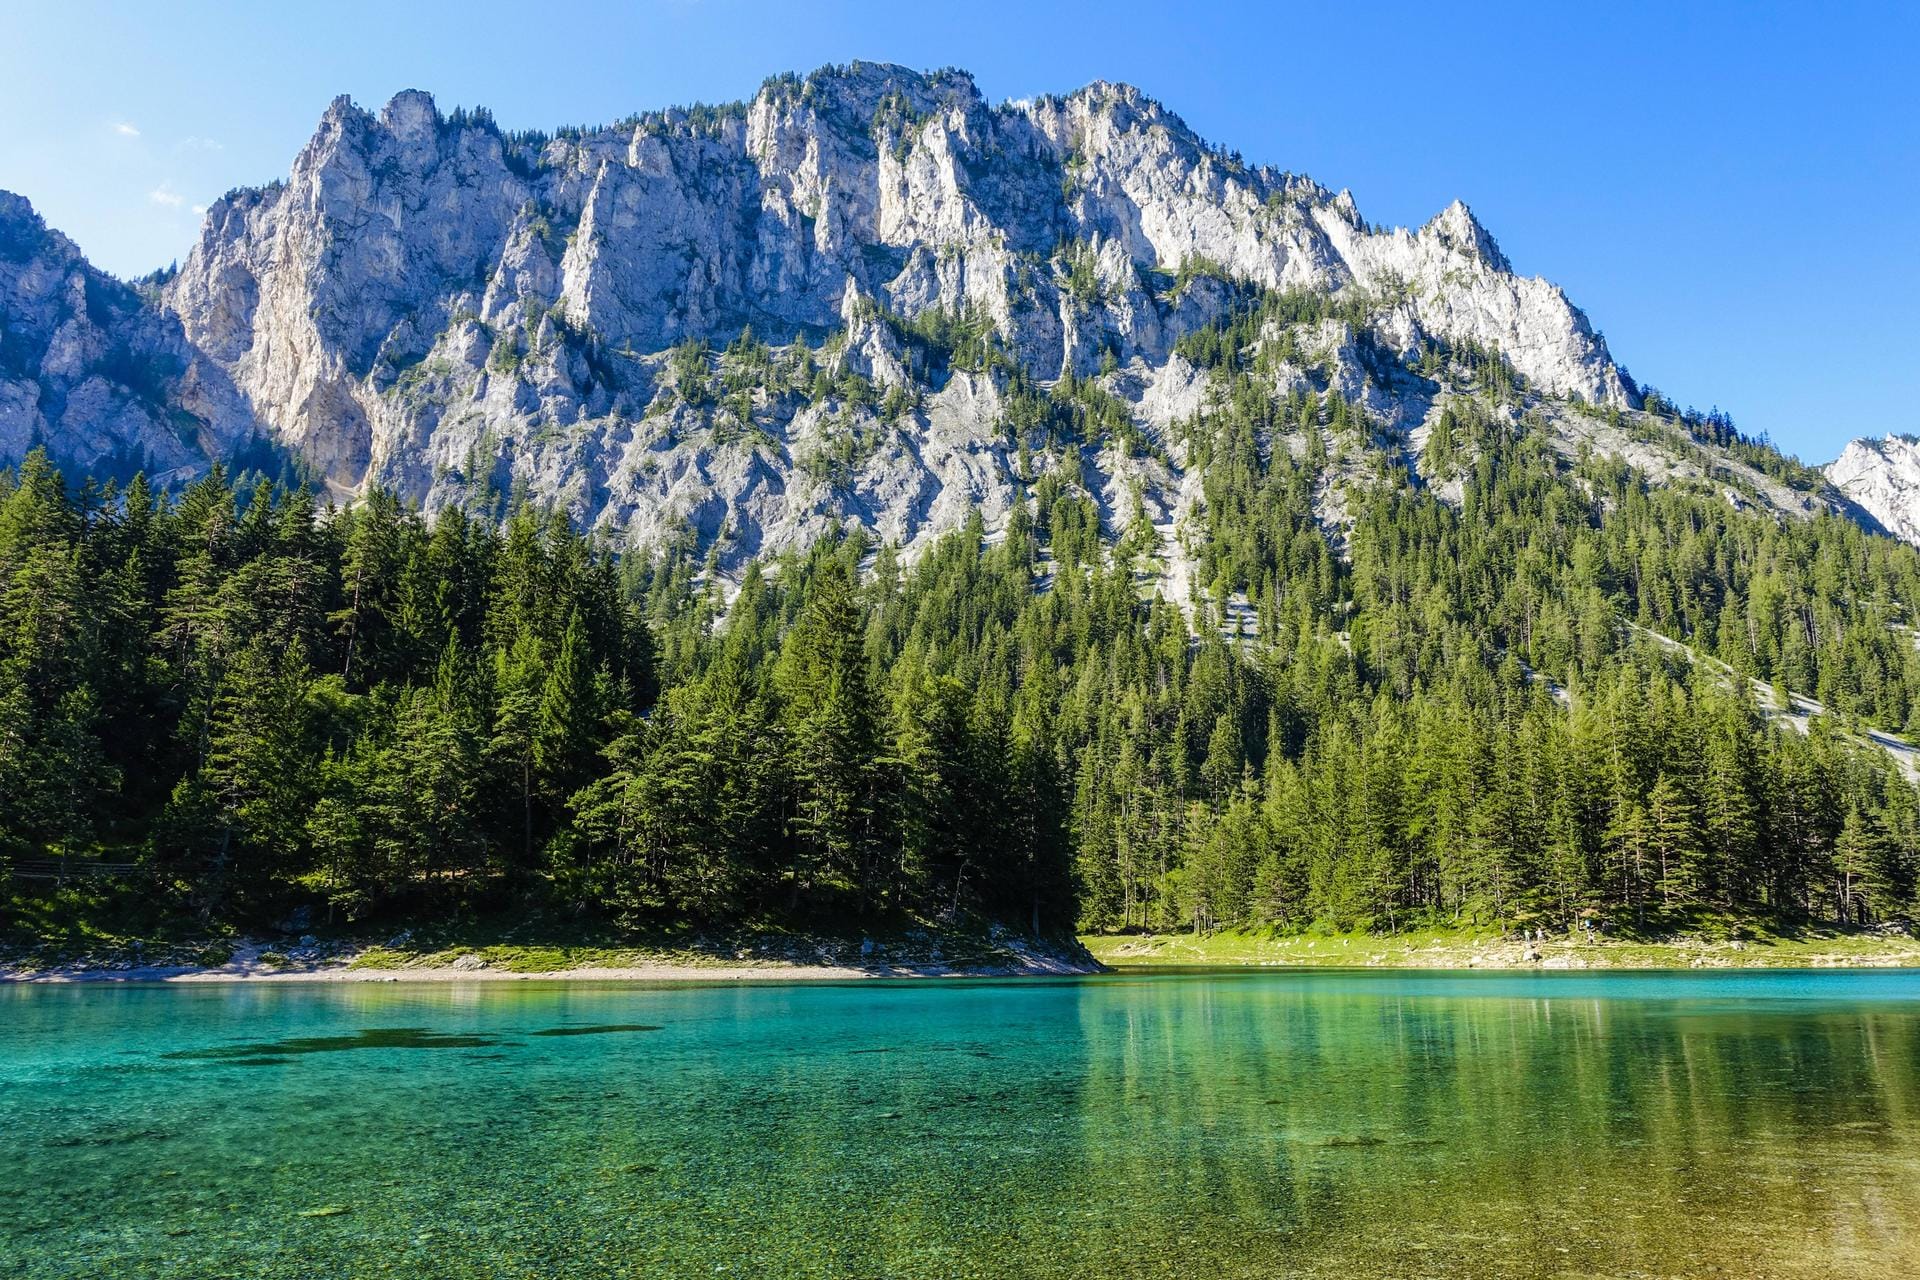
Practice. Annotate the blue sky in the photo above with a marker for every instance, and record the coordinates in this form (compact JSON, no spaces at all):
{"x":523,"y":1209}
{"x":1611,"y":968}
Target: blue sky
{"x":1732,"y":192}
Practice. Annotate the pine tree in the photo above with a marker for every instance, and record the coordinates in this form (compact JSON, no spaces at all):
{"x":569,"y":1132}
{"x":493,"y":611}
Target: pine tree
{"x":832,"y":730}
{"x":565,"y":731}
{"x":1860,"y":867}
{"x":513,"y":748}
{"x":238,"y":822}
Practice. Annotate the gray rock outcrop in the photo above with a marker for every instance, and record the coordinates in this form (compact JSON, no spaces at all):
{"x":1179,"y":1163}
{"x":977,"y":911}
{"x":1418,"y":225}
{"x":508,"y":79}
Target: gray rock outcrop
{"x":740,"y":327}
{"x":91,"y":369}
{"x":1883,"y":478}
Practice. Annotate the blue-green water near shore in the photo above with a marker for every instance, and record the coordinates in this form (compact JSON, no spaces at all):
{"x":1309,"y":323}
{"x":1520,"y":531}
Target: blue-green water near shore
{"x":1227,"y":1124}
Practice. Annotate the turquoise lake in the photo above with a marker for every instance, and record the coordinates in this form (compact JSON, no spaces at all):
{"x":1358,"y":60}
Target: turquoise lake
{"x":1276,"y":1123}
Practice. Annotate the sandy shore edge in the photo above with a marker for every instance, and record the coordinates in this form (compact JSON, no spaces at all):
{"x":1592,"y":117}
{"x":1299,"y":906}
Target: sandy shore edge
{"x":248,"y":964}
{"x":346,"y":973}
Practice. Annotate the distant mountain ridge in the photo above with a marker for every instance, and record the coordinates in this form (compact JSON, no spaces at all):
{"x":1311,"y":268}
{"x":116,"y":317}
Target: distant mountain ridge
{"x":90,"y":368}
{"x":1883,"y":477}
{"x":435,"y":305}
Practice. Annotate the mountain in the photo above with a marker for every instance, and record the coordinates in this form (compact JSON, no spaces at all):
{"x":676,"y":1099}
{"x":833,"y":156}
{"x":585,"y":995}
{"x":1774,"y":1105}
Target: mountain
{"x":92,"y":369}
{"x":1035,"y":514}
{"x":743,"y":326}
{"x":1883,"y":478}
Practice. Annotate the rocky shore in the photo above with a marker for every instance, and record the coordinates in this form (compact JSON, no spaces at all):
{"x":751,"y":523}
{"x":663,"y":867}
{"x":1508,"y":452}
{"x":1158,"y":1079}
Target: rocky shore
{"x":310,"y":959}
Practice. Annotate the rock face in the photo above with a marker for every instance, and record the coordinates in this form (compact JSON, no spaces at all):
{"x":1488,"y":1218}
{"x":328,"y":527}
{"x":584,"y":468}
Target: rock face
{"x":461,"y":313}
{"x":91,"y":369}
{"x":1883,"y":478}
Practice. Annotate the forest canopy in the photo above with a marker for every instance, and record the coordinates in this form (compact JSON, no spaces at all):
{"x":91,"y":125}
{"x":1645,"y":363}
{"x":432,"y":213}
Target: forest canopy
{"x":1529,"y":703}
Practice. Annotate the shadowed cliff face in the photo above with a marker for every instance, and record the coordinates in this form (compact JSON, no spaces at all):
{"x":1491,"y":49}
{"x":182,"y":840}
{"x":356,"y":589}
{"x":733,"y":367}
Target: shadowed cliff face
{"x":89,"y":368}
{"x":430,"y":303}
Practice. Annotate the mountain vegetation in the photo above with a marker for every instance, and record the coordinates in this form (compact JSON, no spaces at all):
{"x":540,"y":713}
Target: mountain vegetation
{"x":1536,"y":702}
{"x":869,"y":503}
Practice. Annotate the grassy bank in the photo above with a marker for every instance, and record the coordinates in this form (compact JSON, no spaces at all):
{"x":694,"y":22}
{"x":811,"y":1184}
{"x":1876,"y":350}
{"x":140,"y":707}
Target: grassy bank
{"x":1456,"y":949}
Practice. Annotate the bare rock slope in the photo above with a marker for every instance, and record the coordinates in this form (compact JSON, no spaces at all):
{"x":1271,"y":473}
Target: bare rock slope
{"x":1883,"y":478}
{"x":90,"y":369}
{"x":739,"y":327}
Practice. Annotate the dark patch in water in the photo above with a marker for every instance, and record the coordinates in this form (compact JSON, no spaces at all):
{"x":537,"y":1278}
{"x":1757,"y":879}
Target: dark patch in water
{"x":1364,"y":1140}
{"x":369,"y":1038}
{"x":120,"y":1139}
{"x":264,"y":1060}
{"x":886,"y":1050}
{"x":595,"y":1030}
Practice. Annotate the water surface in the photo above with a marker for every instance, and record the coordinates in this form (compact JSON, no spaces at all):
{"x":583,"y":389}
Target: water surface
{"x":1226,"y":1124}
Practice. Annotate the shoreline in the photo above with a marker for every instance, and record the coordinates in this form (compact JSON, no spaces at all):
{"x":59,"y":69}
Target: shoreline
{"x":1442,"y":951}
{"x":253,"y":960}
{"x":346,"y":973}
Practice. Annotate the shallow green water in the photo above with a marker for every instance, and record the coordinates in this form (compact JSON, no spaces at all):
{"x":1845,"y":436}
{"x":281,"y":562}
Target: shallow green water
{"x":1238,"y":1124}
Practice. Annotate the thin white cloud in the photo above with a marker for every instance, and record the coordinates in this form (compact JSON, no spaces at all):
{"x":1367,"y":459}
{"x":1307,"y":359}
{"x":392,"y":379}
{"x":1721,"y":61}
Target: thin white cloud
{"x":125,"y":130}
{"x":199,"y":209}
{"x":201,"y":144}
{"x":166,"y":195}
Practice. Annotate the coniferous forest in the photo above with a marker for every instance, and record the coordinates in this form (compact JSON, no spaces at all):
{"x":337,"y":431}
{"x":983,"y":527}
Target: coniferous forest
{"x":1534,"y":702}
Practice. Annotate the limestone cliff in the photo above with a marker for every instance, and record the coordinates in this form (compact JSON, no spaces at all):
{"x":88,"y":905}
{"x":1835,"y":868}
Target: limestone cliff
{"x":1883,"y":477}
{"x":434,"y":304}
{"x":91,"y":369}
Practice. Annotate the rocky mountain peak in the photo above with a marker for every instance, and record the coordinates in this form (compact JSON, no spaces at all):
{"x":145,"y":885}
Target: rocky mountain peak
{"x":411,"y":116}
{"x":1456,"y":228}
{"x":22,"y":231}
{"x":1883,"y":478}
{"x":431,"y":303}
{"x":88,"y":368}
